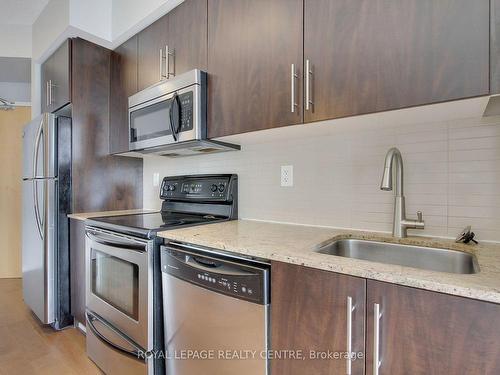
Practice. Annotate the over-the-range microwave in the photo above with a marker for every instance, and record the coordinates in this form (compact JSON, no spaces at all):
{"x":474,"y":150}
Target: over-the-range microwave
{"x":170,"y":118}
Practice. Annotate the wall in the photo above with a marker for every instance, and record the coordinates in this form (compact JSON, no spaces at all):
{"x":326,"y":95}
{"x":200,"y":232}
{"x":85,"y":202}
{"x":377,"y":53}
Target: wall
{"x":15,"y":78}
{"x":131,"y":16}
{"x":15,"y":40}
{"x":452,"y":171}
{"x":11,"y":125}
{"x":93,"y":16}
{"x":48,"y":27}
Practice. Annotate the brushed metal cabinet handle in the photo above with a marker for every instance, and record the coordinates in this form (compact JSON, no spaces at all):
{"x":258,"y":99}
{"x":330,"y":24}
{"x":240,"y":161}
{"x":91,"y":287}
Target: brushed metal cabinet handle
{"x":350,"y":309}
{"x":293,"y":77}
{"x":47,"y":93}
{"x":376,"y":338}
{"x":309,"y":72}
{"x":161,"y":75}
{"x":169,"y":53}
{"x":50,"y":92}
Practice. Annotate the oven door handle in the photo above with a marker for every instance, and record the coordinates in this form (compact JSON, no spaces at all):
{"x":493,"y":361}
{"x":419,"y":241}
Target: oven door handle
{"x":115,"y":241}
{"x":135,"y":351}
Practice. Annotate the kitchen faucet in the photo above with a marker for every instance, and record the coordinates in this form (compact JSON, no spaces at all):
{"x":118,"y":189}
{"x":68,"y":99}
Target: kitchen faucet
{"x":393,"y":174}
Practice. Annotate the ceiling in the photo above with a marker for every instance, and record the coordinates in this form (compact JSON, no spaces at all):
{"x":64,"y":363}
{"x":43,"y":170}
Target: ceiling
{"x":20,"y":12}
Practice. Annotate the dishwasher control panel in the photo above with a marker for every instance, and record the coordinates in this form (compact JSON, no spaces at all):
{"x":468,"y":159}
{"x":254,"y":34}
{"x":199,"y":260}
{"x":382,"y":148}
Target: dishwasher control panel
{"x":229,"y":277}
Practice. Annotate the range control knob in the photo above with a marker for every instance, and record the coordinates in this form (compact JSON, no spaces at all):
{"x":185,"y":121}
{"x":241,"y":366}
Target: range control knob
{"x":221,"y":187}
{"x":213,"y":188}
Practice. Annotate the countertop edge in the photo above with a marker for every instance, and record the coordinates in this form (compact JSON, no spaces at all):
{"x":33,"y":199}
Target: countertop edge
{"x":82,"y":216}
{"x":393,"y":274}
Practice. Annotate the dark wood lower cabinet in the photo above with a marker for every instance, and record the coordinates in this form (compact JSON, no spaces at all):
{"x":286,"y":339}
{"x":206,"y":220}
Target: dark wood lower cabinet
{"x":77,"y":269}
{"x":309,"y":313}
{"x":428,"y":333}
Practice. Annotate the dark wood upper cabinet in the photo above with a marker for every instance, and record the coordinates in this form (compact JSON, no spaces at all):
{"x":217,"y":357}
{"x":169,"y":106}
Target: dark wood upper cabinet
{"x":56,"y":79}
{"x":422,"y":332}
{"x":251,"y":48}
{"x":182,"y":33}
{"x":375,"y":55}
{"x":309,"y":311}
{"x":123,"y":84}
{"x":100,"y":181}
{"x":495,"y":47}
{"x":151,"y":41}
{"x":187,"y":36}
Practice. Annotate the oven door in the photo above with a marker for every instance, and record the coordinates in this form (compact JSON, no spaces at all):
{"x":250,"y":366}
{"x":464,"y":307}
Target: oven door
{"x":118,"y":282}
{"x":171,"y":118}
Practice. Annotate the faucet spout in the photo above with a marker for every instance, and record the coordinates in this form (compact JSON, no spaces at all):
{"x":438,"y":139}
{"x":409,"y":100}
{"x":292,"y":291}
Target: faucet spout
{"x":393,"y":170}
{"x":393,"y":175}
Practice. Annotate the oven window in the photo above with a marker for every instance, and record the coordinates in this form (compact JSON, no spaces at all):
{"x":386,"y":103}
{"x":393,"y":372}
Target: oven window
{"x":150,"y":122}
{"x":117,"y":282}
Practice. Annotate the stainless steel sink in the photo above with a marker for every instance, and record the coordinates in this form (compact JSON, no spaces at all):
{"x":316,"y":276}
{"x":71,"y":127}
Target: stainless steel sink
{"x":426,"y":258}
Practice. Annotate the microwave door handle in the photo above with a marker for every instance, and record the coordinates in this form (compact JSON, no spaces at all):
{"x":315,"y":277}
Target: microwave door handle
{"x":174,"y":115}
{"x":135,"y":352}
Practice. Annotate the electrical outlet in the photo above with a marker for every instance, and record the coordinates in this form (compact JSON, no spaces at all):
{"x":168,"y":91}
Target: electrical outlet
{"x":156,"y":179}
{"x":287,"y":175}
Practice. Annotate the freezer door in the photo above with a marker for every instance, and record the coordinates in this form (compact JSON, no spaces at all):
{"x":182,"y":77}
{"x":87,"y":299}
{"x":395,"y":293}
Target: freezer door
{"x":39,"y":148}
{"x":38,"y":247}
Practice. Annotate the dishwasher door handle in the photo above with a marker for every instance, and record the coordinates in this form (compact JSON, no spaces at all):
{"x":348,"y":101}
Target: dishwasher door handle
{"x":222,"y":270}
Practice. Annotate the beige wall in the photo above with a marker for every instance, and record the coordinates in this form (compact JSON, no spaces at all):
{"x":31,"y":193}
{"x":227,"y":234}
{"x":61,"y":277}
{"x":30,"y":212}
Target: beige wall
{"x":452,"y":172}
{"x":11,"y":125}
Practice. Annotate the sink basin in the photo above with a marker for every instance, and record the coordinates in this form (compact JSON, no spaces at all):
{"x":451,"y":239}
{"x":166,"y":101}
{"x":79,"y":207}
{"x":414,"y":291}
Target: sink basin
{"x":426,"y":258}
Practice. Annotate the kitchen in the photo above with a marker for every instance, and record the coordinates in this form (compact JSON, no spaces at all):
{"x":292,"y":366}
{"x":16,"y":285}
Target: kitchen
{"x":265,"y":187}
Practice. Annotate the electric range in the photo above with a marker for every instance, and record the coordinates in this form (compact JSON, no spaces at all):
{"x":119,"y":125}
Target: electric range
{"x":123,"y":275}
{"x":187,"y":201}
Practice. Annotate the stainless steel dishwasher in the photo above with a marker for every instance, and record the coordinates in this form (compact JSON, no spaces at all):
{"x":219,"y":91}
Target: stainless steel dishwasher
{"x":216,"y":312}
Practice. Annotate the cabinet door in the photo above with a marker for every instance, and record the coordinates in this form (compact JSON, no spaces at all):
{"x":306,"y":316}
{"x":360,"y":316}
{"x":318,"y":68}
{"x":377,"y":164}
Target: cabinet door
{"x":60,"y":76}
{"x":123,"y":84}
{"x":375,"y":55}
{"x":56,"y":79}
{"x":151,"y":41}
{"x":251,"y":48}
{"x":77,"y":269}
{"x":44,"y":89}
{"x":187,"y":36}
{"x":422,"y":332}
{"x":309,"y":312}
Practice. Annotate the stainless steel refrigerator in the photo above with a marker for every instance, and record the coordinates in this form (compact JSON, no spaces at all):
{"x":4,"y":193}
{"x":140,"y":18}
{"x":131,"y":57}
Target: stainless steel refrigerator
{"x":45,"y":232}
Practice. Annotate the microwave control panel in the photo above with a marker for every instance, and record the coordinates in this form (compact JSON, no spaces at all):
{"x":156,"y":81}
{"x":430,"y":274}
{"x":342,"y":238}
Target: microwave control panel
{"x":186,"y":115}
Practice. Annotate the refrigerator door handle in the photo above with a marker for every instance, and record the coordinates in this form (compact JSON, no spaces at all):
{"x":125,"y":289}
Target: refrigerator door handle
{"x":38,"y":220}
{"x":35,"y":148}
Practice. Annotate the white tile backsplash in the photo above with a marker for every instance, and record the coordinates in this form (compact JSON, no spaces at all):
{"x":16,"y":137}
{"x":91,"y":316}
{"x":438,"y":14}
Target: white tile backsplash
{"x":452,"y":174}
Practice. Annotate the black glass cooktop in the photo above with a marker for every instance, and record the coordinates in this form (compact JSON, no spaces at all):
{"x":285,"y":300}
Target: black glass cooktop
{"x":148,"y":224}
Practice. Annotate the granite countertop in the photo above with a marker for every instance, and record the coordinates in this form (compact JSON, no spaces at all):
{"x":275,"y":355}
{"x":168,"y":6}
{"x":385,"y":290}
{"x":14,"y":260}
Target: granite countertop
{"x":295,"y":244}
{"x":88,"y":215}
